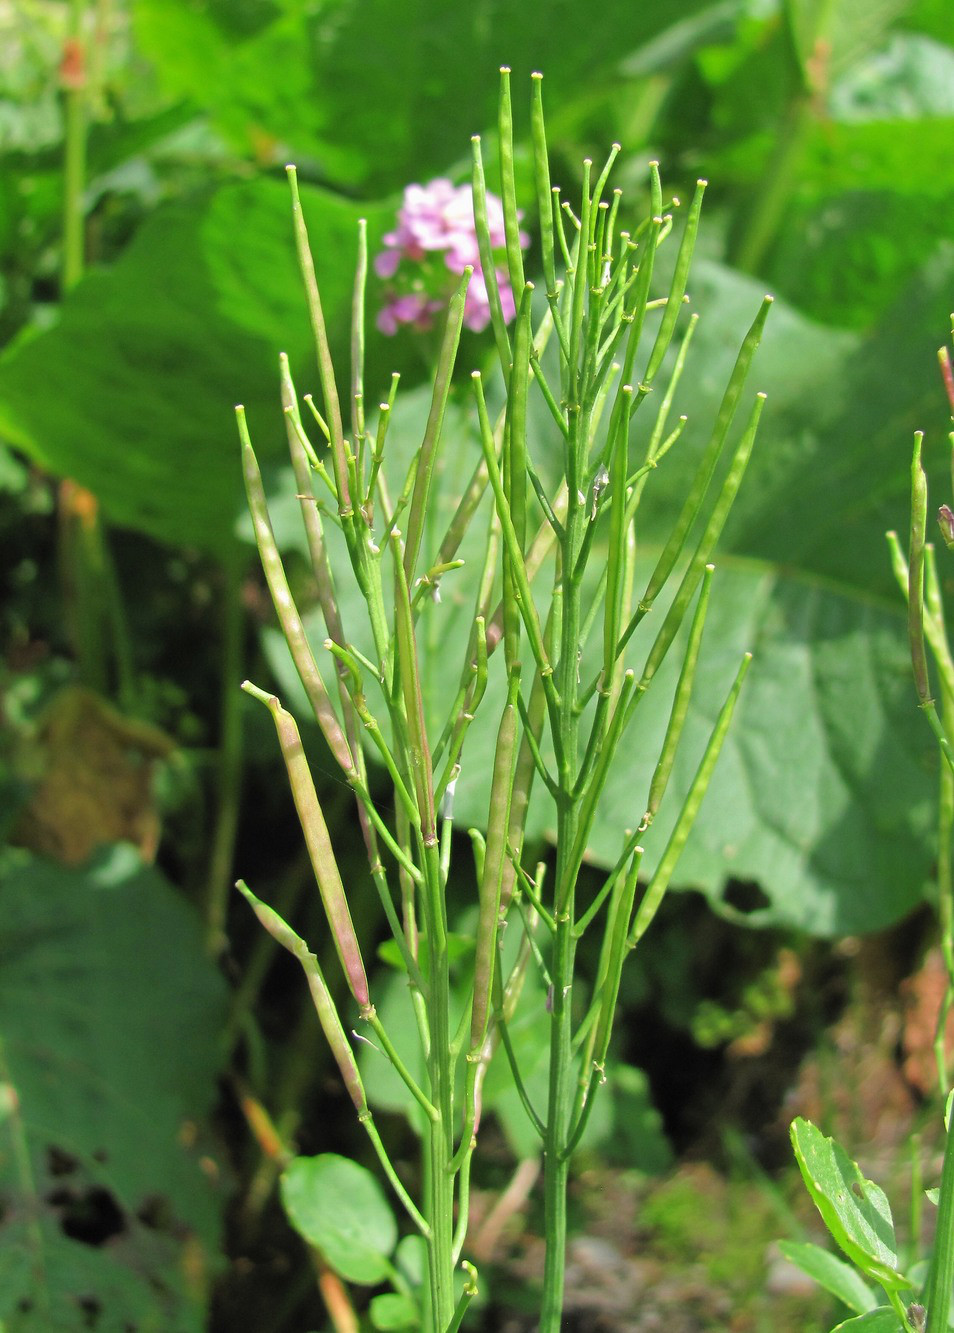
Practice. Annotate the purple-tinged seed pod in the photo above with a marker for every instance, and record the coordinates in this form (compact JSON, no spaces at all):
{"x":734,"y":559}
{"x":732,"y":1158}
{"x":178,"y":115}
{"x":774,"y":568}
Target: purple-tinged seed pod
{"x":331,"y":1025}
{"x":320,"y":851}
{"x":334,"y":1032}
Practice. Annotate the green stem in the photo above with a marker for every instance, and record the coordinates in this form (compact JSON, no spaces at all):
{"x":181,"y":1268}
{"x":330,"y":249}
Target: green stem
{"x":778,"y":182}
{"x":466,"y":1296}
{"x":557,"y":1135}
{"x":941,"y":1274}
{"x":74,"y":155}
{"x":230,"y":768}
{"x":326,"y":369}
{"x":690,"y":808}
{"x":945,"y":893}
{"x":439,"y":1146}
{"x":400,"y":1068}
{"x":897,"y":1305}
{"x":560,"y":1090}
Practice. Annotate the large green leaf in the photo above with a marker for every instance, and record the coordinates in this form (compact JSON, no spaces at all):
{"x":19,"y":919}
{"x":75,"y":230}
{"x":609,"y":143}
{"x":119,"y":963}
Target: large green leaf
{"x":131,"y":393}
{"x":841,"y":154}
{"x":906,"y":157}
{"x":378,"y":92}
{"x":874,"y":186}
{"x":109,"y":1021}
{"x":249,"y":66}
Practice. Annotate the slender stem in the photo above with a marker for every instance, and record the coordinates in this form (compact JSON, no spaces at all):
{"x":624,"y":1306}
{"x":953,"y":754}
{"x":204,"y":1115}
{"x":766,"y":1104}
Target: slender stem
{"x":778,"y":180}
{"x":556,"y":1163}
{"x":945,"y":887}
{"x":101,"y":622}
{"x":559,"y":1099}
{"x":466,"y":1296}
{"x":326,"y":370}
{"x":897,"y":1305}
{"x":941,"y":1273}
{"x":916,"y":574}
{"x":439,"y":1146}
{"x":230,"y":767}
{"x":73,"y":76}
{"x":400,"y":1068}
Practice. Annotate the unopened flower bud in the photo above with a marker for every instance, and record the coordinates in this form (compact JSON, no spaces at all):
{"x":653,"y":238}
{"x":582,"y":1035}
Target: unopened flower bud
{"x":945,"y":521}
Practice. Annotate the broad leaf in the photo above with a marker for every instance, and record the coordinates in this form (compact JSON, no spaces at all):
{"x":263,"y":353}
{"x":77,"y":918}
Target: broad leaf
{"x":339,"y":1206}
{"x":855,"y":1210}
{"x":375,"y":92}
{"x":131,"y":393}
{"x":881,"y":1320}
{"x":109,"y":1021}
{"x":857,"y":200}
{"x":392,"y":1311}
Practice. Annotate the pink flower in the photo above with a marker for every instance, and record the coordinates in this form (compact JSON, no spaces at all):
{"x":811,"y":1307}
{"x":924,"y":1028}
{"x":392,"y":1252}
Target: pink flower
{"x":385,"y":265}
{"x":414,"y":308}
{"x":477,"y":303}
{"x":438,"y":219}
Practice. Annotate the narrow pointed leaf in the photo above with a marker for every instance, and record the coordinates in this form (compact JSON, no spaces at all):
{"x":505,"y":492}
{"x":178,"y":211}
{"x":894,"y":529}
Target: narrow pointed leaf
{"x":832,"y":1273}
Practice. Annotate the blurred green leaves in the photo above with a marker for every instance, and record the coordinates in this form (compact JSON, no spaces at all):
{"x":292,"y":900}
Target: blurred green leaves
{"x":833,"y":127}
{"x":110,"y":1016}
{"x":131,"y":393}
{"x":373,"y":93}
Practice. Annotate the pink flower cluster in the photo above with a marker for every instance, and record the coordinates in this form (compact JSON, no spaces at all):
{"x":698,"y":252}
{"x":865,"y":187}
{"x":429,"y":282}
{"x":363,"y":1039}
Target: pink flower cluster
{"x":435,"y":235}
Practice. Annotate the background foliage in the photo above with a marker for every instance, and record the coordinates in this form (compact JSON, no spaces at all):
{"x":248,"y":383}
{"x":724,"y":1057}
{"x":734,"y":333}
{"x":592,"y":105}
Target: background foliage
{"x":825,"y":130}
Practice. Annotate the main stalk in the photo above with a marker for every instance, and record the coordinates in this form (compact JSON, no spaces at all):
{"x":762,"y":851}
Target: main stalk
{"x":561,"y":1077}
